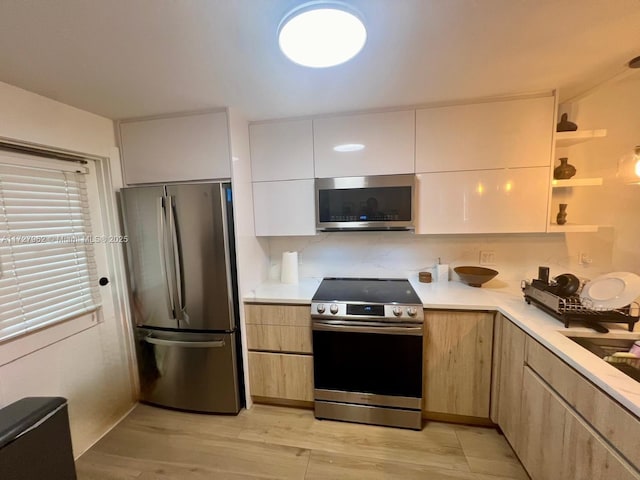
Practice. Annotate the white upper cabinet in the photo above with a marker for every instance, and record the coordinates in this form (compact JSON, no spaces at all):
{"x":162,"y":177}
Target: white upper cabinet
{"x":388,"y":139}
{"x":511,"y":133}
{"x":284,"y":208}
{"x":180,"y":148}
{"x":281,"y":150}
{"x":483,"y":201}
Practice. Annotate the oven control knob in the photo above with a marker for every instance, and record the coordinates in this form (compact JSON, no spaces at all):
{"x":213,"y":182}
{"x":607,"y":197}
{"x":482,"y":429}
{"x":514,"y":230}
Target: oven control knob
{"x":397,"y":311}
{"x":320,"y":308}
{"x":412,"y":311}
{"x":333,"y":308}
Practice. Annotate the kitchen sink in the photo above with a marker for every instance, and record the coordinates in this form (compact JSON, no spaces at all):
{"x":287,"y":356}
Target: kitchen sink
{"x":606,"y":347}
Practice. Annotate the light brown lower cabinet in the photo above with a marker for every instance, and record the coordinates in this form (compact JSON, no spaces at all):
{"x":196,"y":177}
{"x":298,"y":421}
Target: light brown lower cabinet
{"x":511,"y":363}
{"x":556,"y":443}
{"x":280,"y":360}
{"x":608,"y":417}
{"x":560,"y":425}
{"x":458,"y":349}
{"x":281,"y":376}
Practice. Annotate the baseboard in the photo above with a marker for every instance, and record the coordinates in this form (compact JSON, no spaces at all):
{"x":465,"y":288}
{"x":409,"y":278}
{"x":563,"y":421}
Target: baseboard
{"x":122,"y":417}
{"x":282,"y":402}
{"x":462,"y":419}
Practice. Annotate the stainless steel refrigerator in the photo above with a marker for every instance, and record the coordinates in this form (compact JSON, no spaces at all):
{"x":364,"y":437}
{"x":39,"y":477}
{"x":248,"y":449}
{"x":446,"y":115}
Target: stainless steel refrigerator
{"x":184,"y":297}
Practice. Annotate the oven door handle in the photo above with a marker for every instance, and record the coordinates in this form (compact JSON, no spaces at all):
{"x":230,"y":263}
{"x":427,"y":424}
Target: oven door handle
{"x":368,"y":327}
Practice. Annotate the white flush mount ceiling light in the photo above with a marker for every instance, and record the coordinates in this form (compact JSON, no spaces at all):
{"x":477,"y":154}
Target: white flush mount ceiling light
{"x":321,"y":34}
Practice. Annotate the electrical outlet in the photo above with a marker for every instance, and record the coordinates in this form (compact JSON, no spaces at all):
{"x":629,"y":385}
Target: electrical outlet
{"x":487,"y":257}
{"x":584,"y":258}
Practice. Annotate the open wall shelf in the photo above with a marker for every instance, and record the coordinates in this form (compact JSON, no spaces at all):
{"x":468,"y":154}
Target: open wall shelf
{"x":567,"y":139}
{"x":571,"y":228}
{"x":577,"y":182}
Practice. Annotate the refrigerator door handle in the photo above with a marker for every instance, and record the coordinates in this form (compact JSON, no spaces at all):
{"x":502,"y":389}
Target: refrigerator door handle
{"x":181,"y":343}
{"x":176,"y":251}
{"x":162,"y":235}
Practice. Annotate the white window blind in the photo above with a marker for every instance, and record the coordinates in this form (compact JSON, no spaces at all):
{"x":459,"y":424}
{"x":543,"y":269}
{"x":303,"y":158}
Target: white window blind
{"x":47,"y":267}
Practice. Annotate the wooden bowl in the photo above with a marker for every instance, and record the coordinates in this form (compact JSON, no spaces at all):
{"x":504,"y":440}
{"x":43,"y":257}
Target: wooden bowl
{"x":475,"y":276}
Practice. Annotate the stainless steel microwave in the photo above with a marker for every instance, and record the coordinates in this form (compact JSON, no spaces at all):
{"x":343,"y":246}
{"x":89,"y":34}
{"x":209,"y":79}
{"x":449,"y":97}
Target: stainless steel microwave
{"x":384,"y":202}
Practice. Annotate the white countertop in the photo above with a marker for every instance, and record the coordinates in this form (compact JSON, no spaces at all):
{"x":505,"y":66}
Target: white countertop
{"x":276,"y":292}
{"x":509,"y":301}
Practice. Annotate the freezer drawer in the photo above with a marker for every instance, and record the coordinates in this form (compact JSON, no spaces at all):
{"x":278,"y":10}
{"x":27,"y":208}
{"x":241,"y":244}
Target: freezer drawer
{"x":189,"y":371}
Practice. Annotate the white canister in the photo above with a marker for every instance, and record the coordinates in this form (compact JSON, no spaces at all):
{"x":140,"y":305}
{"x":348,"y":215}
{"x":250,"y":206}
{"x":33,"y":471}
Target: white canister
{"x":289,"y":271}
{"x":442,"y":272}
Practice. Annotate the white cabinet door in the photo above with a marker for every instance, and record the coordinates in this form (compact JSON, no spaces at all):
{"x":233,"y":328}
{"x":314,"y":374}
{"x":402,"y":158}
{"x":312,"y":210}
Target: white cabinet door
{"x":514,"y":133}
{"x":388,"y":139}
{"x":188,"y":147}
{"x":281,"y":150}
{"x":284,"y":208}
{"x":483,"y":201}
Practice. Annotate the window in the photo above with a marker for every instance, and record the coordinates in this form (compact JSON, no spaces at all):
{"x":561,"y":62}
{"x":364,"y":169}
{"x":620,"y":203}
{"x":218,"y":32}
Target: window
{"x":47,"y":266}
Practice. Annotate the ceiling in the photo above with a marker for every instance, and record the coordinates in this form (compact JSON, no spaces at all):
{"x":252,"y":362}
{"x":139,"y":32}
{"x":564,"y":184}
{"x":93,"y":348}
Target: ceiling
{"x":130,"y":58}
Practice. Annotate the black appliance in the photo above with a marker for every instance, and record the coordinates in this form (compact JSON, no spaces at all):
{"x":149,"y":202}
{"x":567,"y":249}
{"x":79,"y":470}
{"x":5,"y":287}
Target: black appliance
{"x":35,"y":441}
{"x":367,"y":351}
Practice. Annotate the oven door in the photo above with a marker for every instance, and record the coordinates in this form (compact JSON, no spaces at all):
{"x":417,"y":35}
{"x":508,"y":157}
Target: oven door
{"x":368,"y":362}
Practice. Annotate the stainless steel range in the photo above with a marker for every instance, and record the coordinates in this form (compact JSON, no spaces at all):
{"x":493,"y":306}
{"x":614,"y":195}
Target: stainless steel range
{"x":367,"y":348}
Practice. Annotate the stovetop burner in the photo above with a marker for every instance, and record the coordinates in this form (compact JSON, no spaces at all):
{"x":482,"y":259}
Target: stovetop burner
{"x":366,"y":290}
{"x":367,"y":299}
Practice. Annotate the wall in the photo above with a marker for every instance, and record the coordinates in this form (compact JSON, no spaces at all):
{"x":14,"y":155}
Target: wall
{"x":615,"y":107}
{"x":613,"y":248}
{"x":252,"y":252}
{"x":92,"y":368}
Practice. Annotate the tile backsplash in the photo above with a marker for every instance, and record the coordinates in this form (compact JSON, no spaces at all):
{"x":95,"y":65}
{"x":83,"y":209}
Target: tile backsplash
{"x":404,"y":254}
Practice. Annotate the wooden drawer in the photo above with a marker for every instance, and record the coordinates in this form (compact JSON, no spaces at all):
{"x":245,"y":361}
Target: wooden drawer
{"x":277,"y":338}
{"x":281,"y":376}
{"x":610,"y":419}
{"x":557,"y":443}
{"x":294,"y":315}
{"x":278,"y":328}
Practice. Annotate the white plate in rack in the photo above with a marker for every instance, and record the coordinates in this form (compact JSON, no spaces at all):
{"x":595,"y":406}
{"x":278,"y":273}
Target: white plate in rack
{"x":611,"y":291}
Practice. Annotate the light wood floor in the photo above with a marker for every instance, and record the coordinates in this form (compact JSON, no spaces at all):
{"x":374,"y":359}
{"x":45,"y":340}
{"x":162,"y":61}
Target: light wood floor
{"x":269,"y":442}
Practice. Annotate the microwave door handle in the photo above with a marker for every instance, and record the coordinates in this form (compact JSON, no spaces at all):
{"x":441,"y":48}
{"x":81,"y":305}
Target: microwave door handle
{"x":357,"y":327}
{"x":162,"y":236}
{"x":176,"y":255}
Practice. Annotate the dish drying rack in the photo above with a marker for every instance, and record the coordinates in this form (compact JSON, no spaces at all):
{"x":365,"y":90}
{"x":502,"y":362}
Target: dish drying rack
{"x":573,"y":309}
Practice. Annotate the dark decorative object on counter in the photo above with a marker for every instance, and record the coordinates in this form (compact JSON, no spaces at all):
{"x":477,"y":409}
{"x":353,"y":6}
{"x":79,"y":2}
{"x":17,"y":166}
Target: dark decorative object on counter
{"x":565,"y":125}
{"x":425,"y":277}
{"x":566,"y":285}
{"x":475,"y":276}
{"x":561,"y":219}
{"x":543,"y":274}
{"x":564,"y":171}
